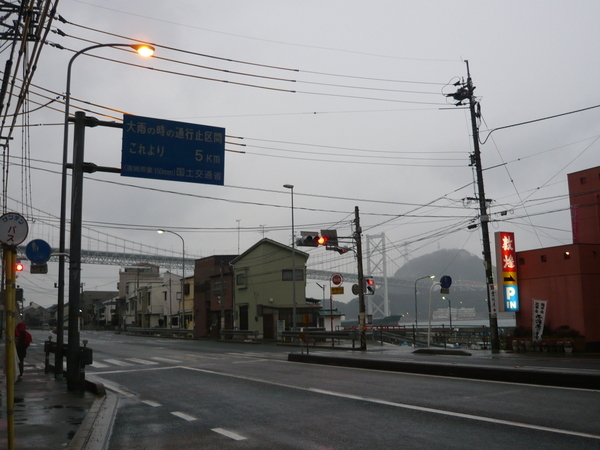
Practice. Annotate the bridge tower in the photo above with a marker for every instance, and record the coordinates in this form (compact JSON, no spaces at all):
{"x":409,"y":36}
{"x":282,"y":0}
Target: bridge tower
{"x":377,"y":267}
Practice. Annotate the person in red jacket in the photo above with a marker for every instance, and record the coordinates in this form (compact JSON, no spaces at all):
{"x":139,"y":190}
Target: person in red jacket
{"x":23,"y":339}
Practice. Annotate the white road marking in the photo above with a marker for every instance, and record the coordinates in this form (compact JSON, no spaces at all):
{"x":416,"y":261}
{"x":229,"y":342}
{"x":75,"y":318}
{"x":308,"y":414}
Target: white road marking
{"x":98,"y":365}
{"x":229,"y":434}
{"x":183,"y":416}
{"x":142,"y":361}
{"x":151,"y":403}
{"x":117,"y":388}
{"x":116,"y":362}
{"x":249,"y":361}
{"x":169,"y":360}
{"x":404,"y":405}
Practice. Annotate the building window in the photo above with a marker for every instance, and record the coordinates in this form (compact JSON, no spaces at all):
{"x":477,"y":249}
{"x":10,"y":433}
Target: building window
{"x":240,"y":279}
{"x":582,"y":180}
{"x":521,"y":261}
{"x":543,"y":258}
{"x":286,"y":275}
{"x":217,"y":288}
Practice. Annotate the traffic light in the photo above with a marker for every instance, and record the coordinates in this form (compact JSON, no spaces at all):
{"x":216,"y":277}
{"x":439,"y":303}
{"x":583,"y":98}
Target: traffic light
{"x":308,"y":239}
{"x":19,"y":266}
{"x":311,"y":239}
{"x":369,"y":286}
{"x":331,"y":239}
{"x":342,"y":250}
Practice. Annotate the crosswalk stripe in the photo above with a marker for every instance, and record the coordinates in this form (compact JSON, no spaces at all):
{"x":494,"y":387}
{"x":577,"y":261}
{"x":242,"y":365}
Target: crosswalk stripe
{"x":116,"y":362}
{"x":142,"y":361}
{"x":99,"y":365}
{"x":169,"y":360}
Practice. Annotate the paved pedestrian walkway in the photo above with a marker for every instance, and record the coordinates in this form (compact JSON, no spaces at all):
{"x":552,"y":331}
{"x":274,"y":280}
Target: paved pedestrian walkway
{"x":46,"y":414}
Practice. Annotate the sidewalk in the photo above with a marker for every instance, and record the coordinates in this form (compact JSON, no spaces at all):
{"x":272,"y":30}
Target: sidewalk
{"x":46,"y":415}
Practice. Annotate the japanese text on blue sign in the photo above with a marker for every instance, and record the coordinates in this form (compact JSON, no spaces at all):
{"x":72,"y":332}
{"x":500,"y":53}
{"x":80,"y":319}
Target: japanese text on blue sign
{"x":176,"y":151}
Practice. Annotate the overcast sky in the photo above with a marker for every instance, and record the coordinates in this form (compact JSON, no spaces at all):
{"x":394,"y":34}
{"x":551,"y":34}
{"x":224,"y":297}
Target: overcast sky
{"x":345,"y":100}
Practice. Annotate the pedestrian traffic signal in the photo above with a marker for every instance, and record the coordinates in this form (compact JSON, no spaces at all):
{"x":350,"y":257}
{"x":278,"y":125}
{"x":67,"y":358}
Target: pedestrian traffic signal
{"x":19,"y":267}
{"x":369,"y":286}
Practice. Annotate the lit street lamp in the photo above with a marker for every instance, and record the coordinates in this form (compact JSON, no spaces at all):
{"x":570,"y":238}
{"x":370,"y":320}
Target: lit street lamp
{"x":291,"y":188}
{"x":182,"y":307}
{"x":75,"y":250}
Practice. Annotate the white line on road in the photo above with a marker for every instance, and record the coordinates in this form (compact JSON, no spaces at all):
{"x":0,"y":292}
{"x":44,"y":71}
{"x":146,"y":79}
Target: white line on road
{"x":248,"y":362}
{"x":404,"y":405}
{"x":98,"y":365}
{"x":183,"y":416}
{"x":169,"y":360}
{"x":229,"y":434}
{"x":151,"y":403}
{"x":116,"y":362}
{"x":142,"y":361}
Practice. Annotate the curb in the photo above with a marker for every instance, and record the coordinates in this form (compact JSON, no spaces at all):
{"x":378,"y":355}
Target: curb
{"x":93,"y":417}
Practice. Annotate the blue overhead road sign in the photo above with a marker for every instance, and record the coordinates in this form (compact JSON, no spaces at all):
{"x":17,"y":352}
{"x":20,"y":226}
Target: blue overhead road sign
{"x":176,"y":151}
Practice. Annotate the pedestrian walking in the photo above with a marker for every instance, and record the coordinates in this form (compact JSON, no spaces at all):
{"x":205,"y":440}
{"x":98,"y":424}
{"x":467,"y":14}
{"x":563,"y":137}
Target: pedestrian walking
{"x":23,"y":339}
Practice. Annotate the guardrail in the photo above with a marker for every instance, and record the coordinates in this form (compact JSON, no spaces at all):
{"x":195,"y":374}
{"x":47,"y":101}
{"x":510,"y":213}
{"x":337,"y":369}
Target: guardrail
{"x":160,"y":332}
{"x":314,"y":336}
{"x":236,"y":334}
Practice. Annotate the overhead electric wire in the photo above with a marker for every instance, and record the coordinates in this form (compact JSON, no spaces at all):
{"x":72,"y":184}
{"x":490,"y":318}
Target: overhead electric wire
{"x":274,"y":68}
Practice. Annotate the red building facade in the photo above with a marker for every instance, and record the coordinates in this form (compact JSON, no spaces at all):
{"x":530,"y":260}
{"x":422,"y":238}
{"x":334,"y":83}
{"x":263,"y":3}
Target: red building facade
{"x":568,"y":276}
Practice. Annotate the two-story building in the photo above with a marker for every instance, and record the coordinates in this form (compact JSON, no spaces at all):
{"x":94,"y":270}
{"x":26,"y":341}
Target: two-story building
{"x":269,"y":280}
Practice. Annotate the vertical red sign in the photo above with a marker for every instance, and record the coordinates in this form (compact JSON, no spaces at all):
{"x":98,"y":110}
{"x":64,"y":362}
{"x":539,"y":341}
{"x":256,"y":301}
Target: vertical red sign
{"x":508,"y":253}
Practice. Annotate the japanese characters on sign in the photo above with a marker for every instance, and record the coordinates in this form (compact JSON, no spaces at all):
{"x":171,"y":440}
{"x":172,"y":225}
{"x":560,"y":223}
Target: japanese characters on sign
{"x":538,"y":318}
{"x":506,"y":256}
{"x":13,"y":229}
{"x":176,"y":151}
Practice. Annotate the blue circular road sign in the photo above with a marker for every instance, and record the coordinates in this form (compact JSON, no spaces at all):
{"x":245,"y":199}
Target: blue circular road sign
{"x":38,"y":251}
{"x":445,"y":282}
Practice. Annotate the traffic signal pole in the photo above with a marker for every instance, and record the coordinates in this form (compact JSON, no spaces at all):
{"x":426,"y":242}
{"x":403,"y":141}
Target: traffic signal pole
{"x":361,"y":283}
{"x":10,"y":259}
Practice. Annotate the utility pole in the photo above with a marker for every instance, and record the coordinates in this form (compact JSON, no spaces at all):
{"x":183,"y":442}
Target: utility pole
{"x":361,"y":281}
{"x":465,"y":92}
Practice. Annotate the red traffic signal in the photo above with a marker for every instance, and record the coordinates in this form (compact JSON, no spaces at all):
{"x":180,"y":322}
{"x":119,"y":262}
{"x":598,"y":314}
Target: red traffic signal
{"x":322,"y":240}
{"x":369,"y":286}
{"x":19,"y":267}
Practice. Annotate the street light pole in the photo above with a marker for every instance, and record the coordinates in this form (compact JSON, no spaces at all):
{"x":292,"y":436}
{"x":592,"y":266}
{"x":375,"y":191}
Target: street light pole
{"x":144,"y":50}
{"x":416,"y":312}
{"x":182,"y":320}
{"x":291,"y":188}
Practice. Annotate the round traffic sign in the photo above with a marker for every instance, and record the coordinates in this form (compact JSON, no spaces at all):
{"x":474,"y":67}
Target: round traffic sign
{"x":445,"y":282}
{"x":38,"y":251}
{"x":13,"y":229}
{"x":337,"y":279}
